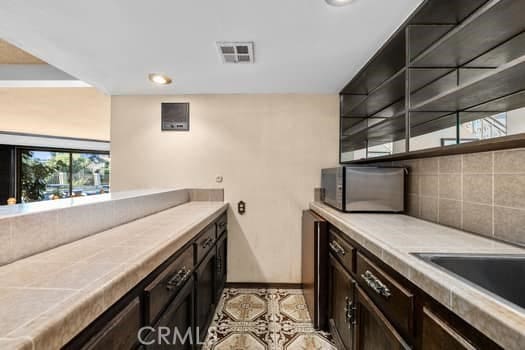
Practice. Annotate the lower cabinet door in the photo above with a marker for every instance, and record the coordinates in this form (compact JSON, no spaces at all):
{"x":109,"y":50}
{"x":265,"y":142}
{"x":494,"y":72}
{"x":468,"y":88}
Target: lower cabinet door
{"x":220,"y":280}
{"x":341,"y":308}
{"x":437,"y":334}
{"x":120,"y":332}
{"x":175,"y":330}
{"x":205,"y":294}
{"x":374,"y":331}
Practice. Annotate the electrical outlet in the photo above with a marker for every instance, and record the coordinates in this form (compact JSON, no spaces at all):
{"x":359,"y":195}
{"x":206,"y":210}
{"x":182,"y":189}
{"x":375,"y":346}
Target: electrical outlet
{"x":241,"y":207}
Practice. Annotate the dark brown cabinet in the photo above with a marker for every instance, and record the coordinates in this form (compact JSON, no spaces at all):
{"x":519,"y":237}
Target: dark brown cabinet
{"x":314,"y":261}
{"x":165,"y":287}
{"x":205,"y":294}
{"x":222,"y":256}
{"x":374,"y":331}
{"x":437,"y":334}
{"x":342,"y":250}
{"x":395,"y":301}
{"x":372,"y":307}
{"x":341,"y":305}
{"x":172,"y":307}
{"x":205,"y":242}
{"x":179,"y":319}
{"x":120,"y":332}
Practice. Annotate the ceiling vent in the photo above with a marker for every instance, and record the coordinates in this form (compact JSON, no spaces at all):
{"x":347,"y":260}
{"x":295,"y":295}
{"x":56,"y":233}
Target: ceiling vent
{"x":236,"y":52}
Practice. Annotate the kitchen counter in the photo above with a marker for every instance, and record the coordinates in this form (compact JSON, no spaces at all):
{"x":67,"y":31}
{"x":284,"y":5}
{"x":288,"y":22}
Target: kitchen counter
{"x":48,"y":298}
{"x":8,"y":211}
{"x":394,"y":237}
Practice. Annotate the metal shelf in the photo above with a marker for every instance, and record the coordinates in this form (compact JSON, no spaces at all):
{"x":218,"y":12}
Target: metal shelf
{"x":445,"y":12}
{"x":502,"y":104}
{"x":475,"y":35}
{"x":422,"y":36}
{"x":507,"y":79}
{"x":389,"y":60}
{"x":386,"y":94}
{"x":436,"y":122}
{"x":385,"y":129}
{"x":502,"y":54}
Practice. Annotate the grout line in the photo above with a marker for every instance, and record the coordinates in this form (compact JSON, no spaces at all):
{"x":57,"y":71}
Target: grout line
{"x":493,"y":196}
{"x":419,"y":202}
{"x":461,"y":194}
{"x":508,"y":172}
{"x":33,"y":288}
{"x":480,"y":204}
{"x":438,"y":189}
{"x":507,"y":207}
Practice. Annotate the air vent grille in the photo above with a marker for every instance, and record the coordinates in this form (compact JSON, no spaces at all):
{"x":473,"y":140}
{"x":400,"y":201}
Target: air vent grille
{"x":236,"y":51}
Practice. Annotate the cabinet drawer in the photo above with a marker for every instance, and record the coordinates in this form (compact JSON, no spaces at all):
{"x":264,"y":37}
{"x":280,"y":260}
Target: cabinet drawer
{"x":164,"y":288}
{"x":374,"y":331}
{"x":120,"y":332}
{"x":342,"y":250}
{"x":394,"y":300}
{"x":178,"y":317}
{"x":222,"y":224}
{"x":204,"y":243}
{"x":437,"y":334}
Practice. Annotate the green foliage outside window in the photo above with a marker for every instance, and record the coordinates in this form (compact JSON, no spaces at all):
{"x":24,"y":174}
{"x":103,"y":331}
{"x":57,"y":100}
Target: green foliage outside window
{"x":48,"y":174}
{"x":33,"y":179}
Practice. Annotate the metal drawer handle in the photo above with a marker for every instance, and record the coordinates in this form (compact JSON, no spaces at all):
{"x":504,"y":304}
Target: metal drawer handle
{"x":349,"y":311}
{"x":374,"y":283}
{"x":178,"y":279}
{"x":207,"y":242}
{"x":336,"y":247}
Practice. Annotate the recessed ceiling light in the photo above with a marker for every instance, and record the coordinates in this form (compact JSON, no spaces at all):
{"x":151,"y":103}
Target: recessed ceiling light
{"x":160,"y":79}
{"x":339,"y":2}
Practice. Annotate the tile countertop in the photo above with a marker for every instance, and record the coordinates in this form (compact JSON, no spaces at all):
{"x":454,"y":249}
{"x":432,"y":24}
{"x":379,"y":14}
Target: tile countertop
{"x":393,"y":237}
{"x":48,"y":298}
{"x":7,"y":211}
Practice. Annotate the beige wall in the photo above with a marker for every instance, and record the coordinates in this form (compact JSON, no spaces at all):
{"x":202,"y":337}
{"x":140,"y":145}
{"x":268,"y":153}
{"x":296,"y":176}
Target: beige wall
{"x":71,"y":112}
{"x":268,"y":148}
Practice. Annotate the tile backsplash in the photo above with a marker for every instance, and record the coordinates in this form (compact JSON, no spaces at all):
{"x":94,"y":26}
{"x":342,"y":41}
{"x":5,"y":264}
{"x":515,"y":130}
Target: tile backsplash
{"x":482,"y":193}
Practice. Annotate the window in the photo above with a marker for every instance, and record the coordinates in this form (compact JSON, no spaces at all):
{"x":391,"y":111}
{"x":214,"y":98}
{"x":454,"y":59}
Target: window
{"x":90,"y":174}
{"x":50,"y":174}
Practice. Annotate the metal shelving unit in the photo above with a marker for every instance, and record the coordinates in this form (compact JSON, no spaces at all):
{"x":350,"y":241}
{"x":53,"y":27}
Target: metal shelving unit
{"x":451,"y":61}
{"x":493,"y":23}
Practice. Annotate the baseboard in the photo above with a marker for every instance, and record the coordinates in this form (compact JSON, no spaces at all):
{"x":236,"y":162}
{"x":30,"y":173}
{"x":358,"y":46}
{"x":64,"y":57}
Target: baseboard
{"x":264,"y":285}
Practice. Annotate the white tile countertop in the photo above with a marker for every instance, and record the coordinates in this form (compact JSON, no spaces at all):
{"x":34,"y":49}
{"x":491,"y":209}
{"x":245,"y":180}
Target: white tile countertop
{"x":7,"y":211}
{"x":48,"y":298}
{"x":394,"y":237}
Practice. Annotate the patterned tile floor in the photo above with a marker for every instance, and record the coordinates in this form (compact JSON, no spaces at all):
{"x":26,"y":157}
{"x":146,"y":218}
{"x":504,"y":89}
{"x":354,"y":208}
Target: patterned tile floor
{"x":259,"y":319}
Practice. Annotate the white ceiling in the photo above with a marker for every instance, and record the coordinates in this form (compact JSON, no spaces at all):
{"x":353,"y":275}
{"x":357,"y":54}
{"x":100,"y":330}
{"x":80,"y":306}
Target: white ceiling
{"x":301,"y":46}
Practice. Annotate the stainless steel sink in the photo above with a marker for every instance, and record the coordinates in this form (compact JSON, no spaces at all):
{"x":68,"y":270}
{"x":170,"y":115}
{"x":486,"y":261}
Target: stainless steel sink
{"x":501,"y":275}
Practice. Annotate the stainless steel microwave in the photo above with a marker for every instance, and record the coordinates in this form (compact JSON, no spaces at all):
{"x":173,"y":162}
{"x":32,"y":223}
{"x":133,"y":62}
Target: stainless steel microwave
{"x":364,"y":189}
